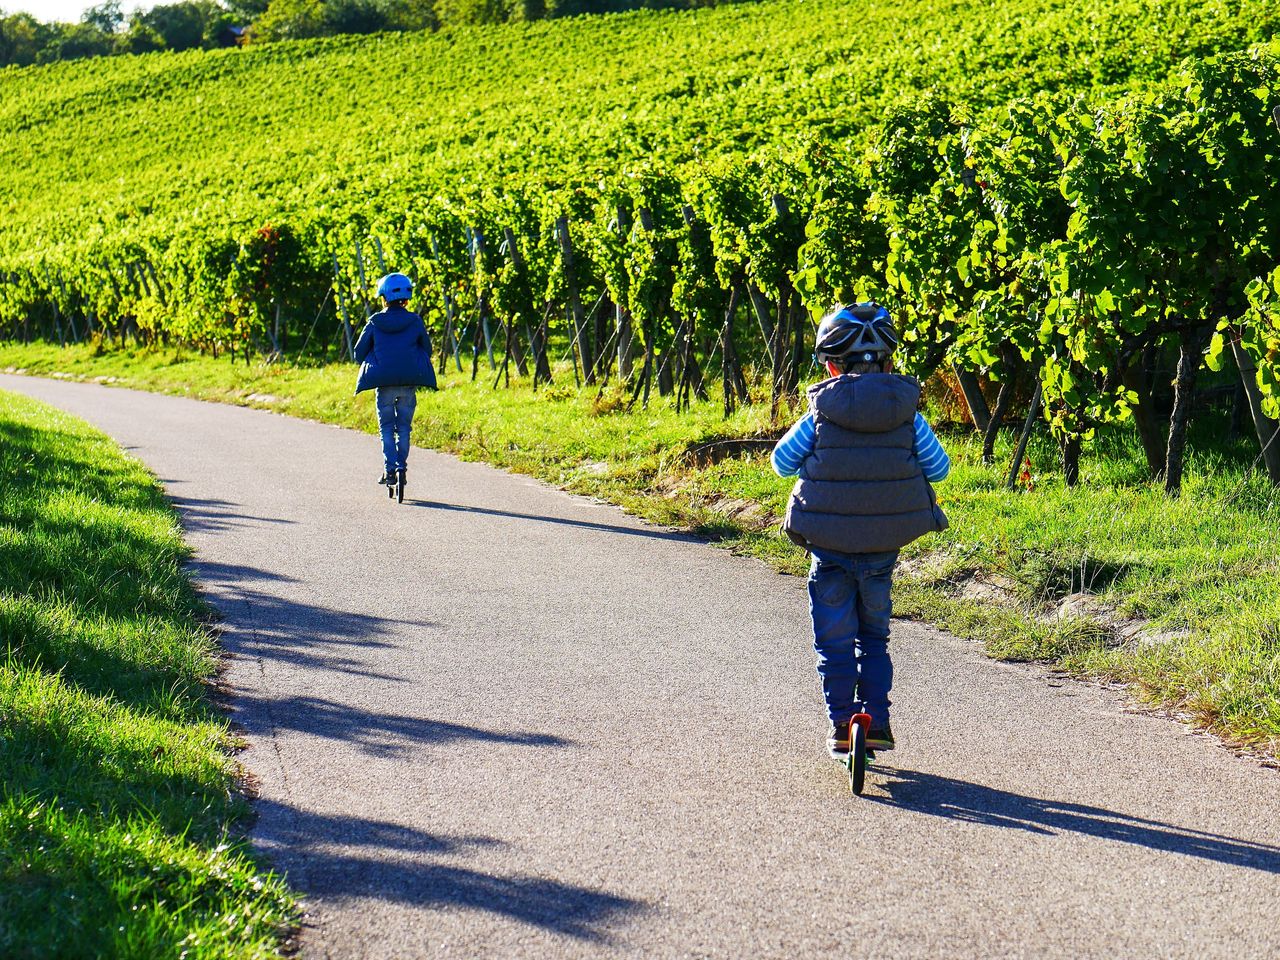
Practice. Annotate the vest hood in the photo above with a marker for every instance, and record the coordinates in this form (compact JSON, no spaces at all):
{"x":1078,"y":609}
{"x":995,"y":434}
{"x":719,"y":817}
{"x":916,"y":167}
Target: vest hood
{"x":866,"y":403}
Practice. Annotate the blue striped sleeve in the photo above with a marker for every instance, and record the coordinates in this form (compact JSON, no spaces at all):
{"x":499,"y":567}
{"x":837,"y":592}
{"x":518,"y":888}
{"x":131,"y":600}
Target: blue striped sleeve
{"x":794,"y":447}
{"x":934,"y":462}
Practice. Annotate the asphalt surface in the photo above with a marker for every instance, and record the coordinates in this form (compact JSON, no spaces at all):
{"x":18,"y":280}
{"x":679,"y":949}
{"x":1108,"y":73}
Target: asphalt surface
{"x":502,"y":721}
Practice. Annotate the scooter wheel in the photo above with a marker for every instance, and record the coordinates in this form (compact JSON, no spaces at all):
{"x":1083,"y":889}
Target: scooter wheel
{"x":857,"y":758}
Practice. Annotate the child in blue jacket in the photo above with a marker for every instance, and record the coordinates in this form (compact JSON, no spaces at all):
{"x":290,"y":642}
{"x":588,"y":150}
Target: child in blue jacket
{"x":865,"y":461}
{"x":394,"y":352}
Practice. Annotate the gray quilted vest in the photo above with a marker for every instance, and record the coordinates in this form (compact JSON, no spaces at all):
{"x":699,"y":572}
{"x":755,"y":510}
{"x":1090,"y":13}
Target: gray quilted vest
{"x":861,"y":490}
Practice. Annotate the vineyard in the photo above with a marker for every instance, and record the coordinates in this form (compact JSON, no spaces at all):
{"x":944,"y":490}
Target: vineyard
{"x":1075,"y":203}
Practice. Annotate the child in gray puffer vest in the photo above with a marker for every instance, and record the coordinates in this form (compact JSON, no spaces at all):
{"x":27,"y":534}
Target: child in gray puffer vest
{"x":865,"y":461}
{"x":394,"y":352}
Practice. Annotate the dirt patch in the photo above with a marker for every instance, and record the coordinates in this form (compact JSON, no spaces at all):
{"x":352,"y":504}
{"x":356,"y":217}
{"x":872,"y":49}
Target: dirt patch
{"x":707,"y":453}
{"x":979,"y":586}
{"x":1130,"y":631}
{"x":748,"y":513}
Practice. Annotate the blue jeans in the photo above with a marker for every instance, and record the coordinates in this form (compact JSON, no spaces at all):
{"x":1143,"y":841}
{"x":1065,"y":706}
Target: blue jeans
{"x":395,"y":418}
{"x":849,"y":598}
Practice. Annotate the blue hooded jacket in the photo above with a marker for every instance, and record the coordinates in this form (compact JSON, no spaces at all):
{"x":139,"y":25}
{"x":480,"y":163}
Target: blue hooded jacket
{"x":394,"y":350}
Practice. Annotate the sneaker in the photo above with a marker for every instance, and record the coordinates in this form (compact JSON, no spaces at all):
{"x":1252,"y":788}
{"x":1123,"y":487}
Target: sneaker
{"x":388,"y":479}
{"x":880,"y":738}
{"x":838,"y":740}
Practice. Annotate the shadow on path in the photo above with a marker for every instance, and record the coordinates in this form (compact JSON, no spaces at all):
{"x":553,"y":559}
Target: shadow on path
{"x":214,"y":516}
{"x":974,"y":803}
{"x":652,"y":533}
{"x":379,"y":734}
{"x":263,"y":625}
{"x":342,"y":857}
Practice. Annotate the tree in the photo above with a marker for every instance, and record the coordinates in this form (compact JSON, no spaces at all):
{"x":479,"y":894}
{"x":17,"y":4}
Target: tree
{"x":22,"y":37}
{"x":141,"y":38}
{"x":106,"y":17}
{"x":74,"y":41}
{"x":180,"y":26}
{"x":356,"y":16}
{"x":290,"y":20}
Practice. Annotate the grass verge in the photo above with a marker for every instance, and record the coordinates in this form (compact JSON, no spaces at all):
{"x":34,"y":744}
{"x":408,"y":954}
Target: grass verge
{"x":1110,"y":580}
{"x":120,"y":811}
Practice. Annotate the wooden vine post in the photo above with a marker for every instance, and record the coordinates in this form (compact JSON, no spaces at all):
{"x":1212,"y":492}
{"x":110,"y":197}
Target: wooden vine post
{"x":580,"y":338}
{"x":511,"y":345}
{"x":780,"y":342}
{"x":686,"y":337}
{"x":979,"y":413}
{"x":536,"y":336}
{"x":449,"y":340}
{"x":645,"y":380}
{"x":364,"y":283}
{"x":1021,"y":450}
{"x":1267,"y":429}
{"x":622,"y":316}
{"x":342,"y":310}
{"x":483,"y":332}
{"x":734,"y":380}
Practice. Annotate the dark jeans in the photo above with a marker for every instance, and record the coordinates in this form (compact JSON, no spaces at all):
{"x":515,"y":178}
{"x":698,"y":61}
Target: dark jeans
{"x":849,"y":598}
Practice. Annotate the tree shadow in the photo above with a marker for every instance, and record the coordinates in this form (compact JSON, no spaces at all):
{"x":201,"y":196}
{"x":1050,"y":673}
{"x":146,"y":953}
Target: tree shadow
{"x":214,"y":516}
{"x":379,"y":734}
{"x":653,"y":534}
{"x":975,"y":803}
{"x":304,"y":634}
{"x":345,"y":856}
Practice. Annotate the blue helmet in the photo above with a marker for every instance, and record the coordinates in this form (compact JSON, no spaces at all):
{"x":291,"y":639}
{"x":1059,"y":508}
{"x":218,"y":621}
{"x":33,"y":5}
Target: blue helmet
{"x":858,"y":333}
{"x":395,"y":286}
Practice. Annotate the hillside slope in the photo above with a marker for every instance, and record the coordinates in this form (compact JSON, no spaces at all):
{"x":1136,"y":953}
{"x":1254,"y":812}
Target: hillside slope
{"x":142,"y":147}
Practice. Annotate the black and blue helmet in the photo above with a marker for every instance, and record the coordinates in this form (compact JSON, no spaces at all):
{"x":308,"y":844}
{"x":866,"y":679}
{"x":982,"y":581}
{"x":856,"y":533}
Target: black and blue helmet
{"x":858,"y":333}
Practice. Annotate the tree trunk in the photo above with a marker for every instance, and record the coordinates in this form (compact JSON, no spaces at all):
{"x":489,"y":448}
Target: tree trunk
{"x":730,"y":370}
{"x":973,"y":398}
{"x":1190,"y":347}
{"x":580,"y":336}
{"x":1150,"y":430}
{"x":760,"y":306}
{"x":622,"y":324}
{"x":1266,"y":427}
{"x":1021,"y":450}
{"x":539,"y":359}
{"x":1003,"y":399}
{"x":1071,"y":460}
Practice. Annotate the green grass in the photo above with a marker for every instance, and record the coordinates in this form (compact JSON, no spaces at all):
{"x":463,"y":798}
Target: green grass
{"x":120,"y":810}
{"x":1202,"y":568}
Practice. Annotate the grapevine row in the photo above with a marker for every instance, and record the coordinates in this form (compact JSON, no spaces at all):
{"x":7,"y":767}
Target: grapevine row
{"x":1059,"y":248}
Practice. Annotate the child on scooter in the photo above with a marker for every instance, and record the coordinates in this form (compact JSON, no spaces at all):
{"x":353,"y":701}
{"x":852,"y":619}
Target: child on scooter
{"x":865,"y":461}
{"x":394,"y":352}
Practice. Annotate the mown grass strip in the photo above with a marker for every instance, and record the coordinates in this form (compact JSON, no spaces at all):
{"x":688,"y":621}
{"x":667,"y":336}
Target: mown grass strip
{"x":1201,"y":568}
{"x":120,"y":812}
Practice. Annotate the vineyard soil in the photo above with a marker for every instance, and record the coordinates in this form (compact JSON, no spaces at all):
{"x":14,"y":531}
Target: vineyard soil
{"x":1110,"y":580}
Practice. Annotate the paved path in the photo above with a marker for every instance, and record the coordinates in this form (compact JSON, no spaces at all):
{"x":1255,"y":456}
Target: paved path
{"x":502,"y":721}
